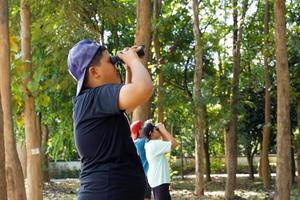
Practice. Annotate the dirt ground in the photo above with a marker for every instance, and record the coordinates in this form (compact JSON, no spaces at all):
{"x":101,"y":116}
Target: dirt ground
{"x":67,"y":189}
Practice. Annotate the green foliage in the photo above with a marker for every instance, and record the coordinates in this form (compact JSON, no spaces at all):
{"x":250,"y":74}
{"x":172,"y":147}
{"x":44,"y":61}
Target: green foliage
{"x":57,"y":25}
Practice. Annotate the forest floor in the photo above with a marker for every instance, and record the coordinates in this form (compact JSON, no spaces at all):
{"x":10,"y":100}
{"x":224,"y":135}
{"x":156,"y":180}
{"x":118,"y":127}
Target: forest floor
{"x":66,"y":189}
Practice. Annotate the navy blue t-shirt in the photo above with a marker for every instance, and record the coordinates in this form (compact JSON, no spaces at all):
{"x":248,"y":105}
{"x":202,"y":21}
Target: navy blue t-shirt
{"x":110,"y":166}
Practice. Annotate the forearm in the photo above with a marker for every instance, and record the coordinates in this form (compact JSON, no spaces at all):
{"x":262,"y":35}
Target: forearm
{"x":166,"y":136}
{"x":140,"y":76}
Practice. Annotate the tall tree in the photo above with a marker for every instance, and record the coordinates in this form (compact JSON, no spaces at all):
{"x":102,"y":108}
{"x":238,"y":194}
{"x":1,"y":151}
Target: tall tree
{"x":265,"y":167}
{"x":231,"y":157}
{"x":4,"y":52}
{"x":198,"y":105}
{"x":143,"y":36}
{"x":283,"y":169}
{"x":231,"y":138}
{"x":156,"y":14}
{"x":14,"y":175}
{"x":34,"y":167}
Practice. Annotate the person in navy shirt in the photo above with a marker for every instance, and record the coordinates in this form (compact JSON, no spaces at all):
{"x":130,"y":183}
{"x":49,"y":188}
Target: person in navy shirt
{"x":109,"y":161}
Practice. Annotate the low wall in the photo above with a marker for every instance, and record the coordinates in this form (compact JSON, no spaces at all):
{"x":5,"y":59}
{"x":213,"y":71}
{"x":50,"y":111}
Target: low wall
{"x":71,"y":169}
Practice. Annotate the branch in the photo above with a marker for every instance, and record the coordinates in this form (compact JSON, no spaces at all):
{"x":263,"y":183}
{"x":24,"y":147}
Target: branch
{"x":185,"y":78}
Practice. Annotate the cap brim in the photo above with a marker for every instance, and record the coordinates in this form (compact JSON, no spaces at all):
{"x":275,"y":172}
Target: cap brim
{"x":80,"y":83}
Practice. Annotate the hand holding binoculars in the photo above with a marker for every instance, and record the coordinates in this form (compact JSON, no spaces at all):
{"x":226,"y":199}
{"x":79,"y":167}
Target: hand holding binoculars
{"x":117,"y":60}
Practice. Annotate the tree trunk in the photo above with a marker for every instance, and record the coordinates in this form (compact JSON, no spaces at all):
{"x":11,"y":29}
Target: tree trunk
{"x":143,"y":36}
{"x":293,"y":162}
{"x":34,"y":171}
{"x":199,"y":148}
{"x":226,"y":133}
{"x":207,"y":155}
{"x":231,"y":137}
{"x":3,"y":187}
{"x":283,"y":169}
{"x":160,"y":111}
{"x":298,"y":145}
{"x":4,"y":51}
{"x":45,"y":168}
{"x":22,"y":153}
{"x":14,"y":176}
{"x":181,"y":158}
{"x":250,"y":164}
{"x":265,"y":167}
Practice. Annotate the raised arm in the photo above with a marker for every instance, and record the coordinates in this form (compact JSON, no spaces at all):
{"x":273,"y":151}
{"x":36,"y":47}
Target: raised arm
{"x":166,"y":135}
{"x":140,"y":89}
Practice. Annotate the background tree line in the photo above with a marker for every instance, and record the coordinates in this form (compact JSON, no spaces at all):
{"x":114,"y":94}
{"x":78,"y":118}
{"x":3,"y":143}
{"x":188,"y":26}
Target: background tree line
{"x":213,"y":64}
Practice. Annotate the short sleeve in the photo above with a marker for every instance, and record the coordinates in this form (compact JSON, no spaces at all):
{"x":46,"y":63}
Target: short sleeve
{"x":106,"y":99}
{"x":161,"y":147}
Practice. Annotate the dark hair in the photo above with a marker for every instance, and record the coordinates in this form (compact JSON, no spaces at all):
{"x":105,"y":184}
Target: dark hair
{"x":148,"y":129}
{"x":95,"y":61}
{"x":97,"y":57}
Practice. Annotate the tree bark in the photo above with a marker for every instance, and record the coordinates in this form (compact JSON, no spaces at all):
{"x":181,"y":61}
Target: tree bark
{"x":199,"y":146}
{"x":298,"y":145}
{"x":3,"y":187}
{"x":143,"y":36}
{"x":34,"y":171}
{"x":265,"y":167}
{"x":160,"y":110}
{"x":207,"y":155}
{"x":231,"y":149}
{"x":250,"y":164}
{"x":14,"y":176}
{"x":283,"y":169}
{"x":45,"y":168}
{"x":231,"y":137}
{"x":22,"y":153}
{"x":181,"y":159}
{"x":293,"y":165}
{"x":4,"y":51}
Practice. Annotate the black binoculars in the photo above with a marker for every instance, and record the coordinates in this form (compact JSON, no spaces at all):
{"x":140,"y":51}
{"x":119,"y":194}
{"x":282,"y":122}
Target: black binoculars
{"x":116,"y":60}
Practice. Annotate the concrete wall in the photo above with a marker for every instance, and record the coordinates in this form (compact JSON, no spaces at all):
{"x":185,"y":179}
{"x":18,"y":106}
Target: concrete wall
{"x":73,"y":167}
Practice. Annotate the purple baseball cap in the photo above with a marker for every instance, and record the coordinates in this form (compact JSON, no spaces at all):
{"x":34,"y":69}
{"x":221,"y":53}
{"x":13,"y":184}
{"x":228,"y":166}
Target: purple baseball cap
{"x":79,"y":58}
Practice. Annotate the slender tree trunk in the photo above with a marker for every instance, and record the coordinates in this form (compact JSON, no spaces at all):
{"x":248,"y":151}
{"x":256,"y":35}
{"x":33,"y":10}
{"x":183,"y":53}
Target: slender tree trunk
{"x":265,"y":167}
{"x":283,"y":169}
{"x":226,"y":133}
{"x":160,"y":111}
{"x":34,"y":171}
{"x":250,"y":164}
{"x":45,"y":168}
{"x":181,"y":163}
{"x":143,"y":36}
{"x":3,"y":187}
{"x":298,"y":145}
{"x":231,"y":137}
{"x":199,"y":146}
{"x":293,"y":162}
{"x":207,"y":155}
{"x":14,"y":176}
{"x":4,"y":51}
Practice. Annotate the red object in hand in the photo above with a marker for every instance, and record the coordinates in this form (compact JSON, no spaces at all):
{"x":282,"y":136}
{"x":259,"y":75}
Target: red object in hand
{"x":134,"y":128}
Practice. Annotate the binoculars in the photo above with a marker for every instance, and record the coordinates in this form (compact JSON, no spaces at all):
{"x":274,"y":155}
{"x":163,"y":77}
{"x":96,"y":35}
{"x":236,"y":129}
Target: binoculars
{"x":116,"y":60}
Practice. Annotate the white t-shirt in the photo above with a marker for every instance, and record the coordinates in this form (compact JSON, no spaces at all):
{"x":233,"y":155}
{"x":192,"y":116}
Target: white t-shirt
{"x":158,"y":172}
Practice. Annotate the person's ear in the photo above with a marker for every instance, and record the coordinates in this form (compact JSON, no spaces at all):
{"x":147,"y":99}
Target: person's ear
{"x":93,"y":72}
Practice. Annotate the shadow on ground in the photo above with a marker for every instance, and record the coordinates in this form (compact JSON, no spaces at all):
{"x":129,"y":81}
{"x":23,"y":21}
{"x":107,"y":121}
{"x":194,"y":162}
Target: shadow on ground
{"x":67,"y":189}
